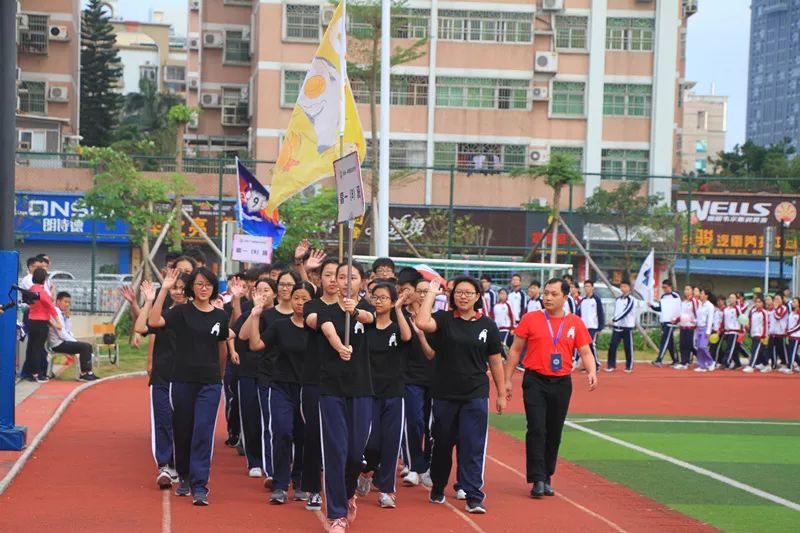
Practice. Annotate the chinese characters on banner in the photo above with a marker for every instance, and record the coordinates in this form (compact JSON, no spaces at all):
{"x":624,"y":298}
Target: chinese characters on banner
{"x":349,"y":187}
{"x":733,"y":223}
{"x":251,"y":249}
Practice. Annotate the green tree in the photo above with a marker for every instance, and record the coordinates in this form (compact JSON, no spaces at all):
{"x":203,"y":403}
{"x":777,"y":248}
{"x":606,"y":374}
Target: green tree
{"x":562,"y":171}
{"x":309,"y":218}
{"x":364,"y":46}
{"x":100,"y":71}
{"x":433,"y":241}
{"x":638,"y":221}
{"x":120,"y":192}
{"x":179,"y":116}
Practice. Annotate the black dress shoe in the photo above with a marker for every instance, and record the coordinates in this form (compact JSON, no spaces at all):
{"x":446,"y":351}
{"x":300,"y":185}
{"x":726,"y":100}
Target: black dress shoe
{"x":537,"y":491}
{"x":548,"y":490}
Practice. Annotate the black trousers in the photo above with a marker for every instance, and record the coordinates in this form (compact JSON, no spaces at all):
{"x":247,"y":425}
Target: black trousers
{"x":83,"y":349}
{"x":686,"y":345}
{"x":37,"y":335}
{"x":667,"y":343}
{"x":546,"y":401}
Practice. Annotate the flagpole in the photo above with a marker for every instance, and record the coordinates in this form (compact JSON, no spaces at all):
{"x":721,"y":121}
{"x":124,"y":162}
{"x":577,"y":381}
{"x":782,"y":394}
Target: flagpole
{"x":381,"y":232}
{"x":342,"y":111}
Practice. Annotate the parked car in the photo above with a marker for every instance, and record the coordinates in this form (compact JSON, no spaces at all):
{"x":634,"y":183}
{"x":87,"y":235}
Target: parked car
{"x":119,"y":278}
{"x":61,"y":275}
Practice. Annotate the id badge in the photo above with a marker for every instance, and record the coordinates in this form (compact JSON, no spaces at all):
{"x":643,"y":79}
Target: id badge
{"x":556,"y":363}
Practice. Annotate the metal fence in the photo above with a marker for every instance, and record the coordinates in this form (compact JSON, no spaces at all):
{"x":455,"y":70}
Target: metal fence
{"x":93,"y":296}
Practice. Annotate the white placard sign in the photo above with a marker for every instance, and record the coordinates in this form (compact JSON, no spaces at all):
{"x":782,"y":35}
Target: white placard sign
{"x":251,"y":249}
{"x":349,"y":187}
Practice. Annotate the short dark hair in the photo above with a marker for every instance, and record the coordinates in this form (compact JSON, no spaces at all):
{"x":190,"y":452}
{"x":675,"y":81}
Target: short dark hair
{"x":568,"y":277}
{"x":472,"y":281}
{"x":356,"y":266}
{"x":382,"y":262}
{"x":39,"y":275}
{"x":486,"y":277}
{"x":305,"y":286}
{"x":195,"y":253}
{"x":502,"y":289}
{"x":329,"y":261}
{"x":561,"y":282}
{"x":625,"y":282}
{"x":389,"y":287}
{"x":32,"y":261}
{"x":280,"y":266}
{"x":408,"y":275}
{"x":667,"y":282}
{"x":419,"y":281}
{"x":62,"y":294}
{"x":206,"y":273}
{"x":189,"y":259}
{"x":588,"y":282}
{"x":44,"y":258}
{"x":170,"y":257}
{"x":268,"y":281}
{"x":535,"y":283}
{"x":515,"y":275}
{"x":295,"y":276}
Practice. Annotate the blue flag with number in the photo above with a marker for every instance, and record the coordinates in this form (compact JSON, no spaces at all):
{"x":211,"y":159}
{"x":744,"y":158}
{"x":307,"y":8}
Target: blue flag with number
{"x":252,"y":208}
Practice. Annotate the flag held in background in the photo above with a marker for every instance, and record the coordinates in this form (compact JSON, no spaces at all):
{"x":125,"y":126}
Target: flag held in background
{"x":645,"y":283}
{"x":311,"y":143}
{"x":254,"y":219}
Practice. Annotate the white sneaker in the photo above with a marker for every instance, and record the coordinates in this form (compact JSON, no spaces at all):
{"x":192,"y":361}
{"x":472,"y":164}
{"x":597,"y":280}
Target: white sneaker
{"x":680,"y":367}
{"x":426,"y":480}
{"x":784,"y":371}
{"x":386,"y":501}
{"x":404,"y":472}
{"x":609,"y":369}
{"x":411,"y":480}
{"x":760,"y":367}
{"x":628,"y":370}
{"x":363,"y":485}
{"x":254,"y":472}
{"x":748,"y":369}
{"x":163,"y":479}
{"x":461,"y":495}
{"x":766,"y":370}
{"x":700,"y":369}
{"x":172,"y":474}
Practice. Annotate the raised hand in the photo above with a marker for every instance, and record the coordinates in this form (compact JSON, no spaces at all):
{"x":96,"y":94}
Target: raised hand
{"x":401,"y":301}
{"x":315,"y":259}
{"x":301,"y":249}
{"x":434,"y":286}
{"x":128,"y":293}
{"x":148,"y":290}
{"x":237,"y":287}
{"x":259,"y":301}
{"x":170,"y":279}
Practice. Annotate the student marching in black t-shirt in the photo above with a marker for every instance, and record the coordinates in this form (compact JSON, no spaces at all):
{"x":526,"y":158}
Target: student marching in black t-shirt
{"x":200,"y":332}
{"x":387,"y":340}
{"x":465,"y":341}
{"x":345,"y":402}
{"x":239,"y":290}
{"x":312,"y":450}
{"x":247,"y":389}
{"x":160,"y":354}
{"x":287,"y":338}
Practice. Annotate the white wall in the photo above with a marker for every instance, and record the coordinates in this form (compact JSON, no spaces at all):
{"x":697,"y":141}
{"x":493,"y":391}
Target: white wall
{"x":131,"y":61}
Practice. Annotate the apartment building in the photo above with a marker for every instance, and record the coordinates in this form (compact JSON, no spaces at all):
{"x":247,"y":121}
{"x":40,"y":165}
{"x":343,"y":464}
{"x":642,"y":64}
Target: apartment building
{"x":705,"y":123}
{"x":501,"y":84}
{"x":48,"y":74}
{"x":150,"y":50}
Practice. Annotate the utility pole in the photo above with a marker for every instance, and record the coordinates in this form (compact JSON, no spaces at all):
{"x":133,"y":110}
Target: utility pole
{"x":12,"y":437}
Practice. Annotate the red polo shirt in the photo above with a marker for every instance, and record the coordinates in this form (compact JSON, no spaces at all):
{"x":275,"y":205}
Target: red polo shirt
{"x":533,"y":328}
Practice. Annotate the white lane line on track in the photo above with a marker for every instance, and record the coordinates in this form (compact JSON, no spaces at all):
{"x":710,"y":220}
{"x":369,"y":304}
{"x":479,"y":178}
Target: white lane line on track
{"x":686,"y":421}
{"x":688,"y":466}
{"x":588,"y":511}
{"x":166,"y":512}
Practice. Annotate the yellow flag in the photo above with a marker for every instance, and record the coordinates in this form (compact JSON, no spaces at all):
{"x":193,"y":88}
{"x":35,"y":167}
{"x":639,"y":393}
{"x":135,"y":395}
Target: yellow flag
{"x":311,"y":144}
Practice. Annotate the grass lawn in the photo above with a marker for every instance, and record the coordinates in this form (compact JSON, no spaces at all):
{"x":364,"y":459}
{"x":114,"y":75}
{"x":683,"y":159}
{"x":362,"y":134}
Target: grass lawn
{"x":763,"y":456}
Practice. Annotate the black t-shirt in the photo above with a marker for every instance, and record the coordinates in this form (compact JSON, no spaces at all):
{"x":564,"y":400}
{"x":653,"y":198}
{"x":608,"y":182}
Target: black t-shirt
{"x":288,"y":342}
{"x":338,"y":377}
{"x":462,"y":351}
{"x":163,"y":354}
{"x":267,"y":358}
{"x":197,"y":334}
{"x":387,"y":357}
{"x":248,"y":360}
{"x":311,"y":362}
{"x":419,"y":369}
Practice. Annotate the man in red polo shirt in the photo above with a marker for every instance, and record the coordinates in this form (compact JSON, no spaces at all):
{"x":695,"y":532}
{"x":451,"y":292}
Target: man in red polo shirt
{"x":551,"y":338}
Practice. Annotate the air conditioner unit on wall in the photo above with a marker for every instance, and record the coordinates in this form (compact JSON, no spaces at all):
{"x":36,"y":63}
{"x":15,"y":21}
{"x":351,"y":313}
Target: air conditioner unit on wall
{"x":58,"y":33}
{"x":538,"y":155}
{"x":194,"y":43}
{"x":552,"y":5}
{"x":689,"y":7}
{"x":245,"y":95}
{"x":194,"y":83}
{"x":213,"y":39}
{"x":546,"y":62}
{"x":58,"y":94}
{"x":22,"y":22}
{"x":326,"y":14}
{"x":194,"y":5}
{"x":210,"y":100}
{"x":541,"y":93}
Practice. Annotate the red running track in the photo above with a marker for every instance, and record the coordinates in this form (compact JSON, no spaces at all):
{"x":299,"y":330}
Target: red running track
{"x":94,"y":472}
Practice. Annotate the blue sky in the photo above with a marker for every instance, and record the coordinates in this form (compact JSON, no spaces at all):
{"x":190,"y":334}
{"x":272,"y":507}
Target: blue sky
{"x":717,"y":52}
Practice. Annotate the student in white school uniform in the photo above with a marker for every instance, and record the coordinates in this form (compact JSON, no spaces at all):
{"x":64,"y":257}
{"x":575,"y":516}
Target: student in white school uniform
{"x":590,"y":309}
{"x":517,"y":297}
{"x":504,"y":317}
{"x":534,"y":297}
{"x":489,"y":295}
{"x":758,"y":335}
{"x":794,"y":337}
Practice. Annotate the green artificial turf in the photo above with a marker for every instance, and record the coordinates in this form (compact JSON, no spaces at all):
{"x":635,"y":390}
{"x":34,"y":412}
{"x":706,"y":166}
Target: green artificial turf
{"x":766,"y":457}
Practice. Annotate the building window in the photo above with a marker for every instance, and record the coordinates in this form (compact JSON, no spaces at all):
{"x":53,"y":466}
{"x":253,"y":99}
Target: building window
{"x":292,"y":82}
{"x":405,"y":90}
{"x":36,"y":38}
{"x":630,"y":34}
{"x":234,"y":109}
{"x":475,"y":157}
{"x":618,"y":164}
{"x":148,"y":72}
{"x":575,"y":152}
{"x":701,"y":146}
{"x":485,"y":93}
{"x":302,"y":23}
{"x":700,"y":165}
{"x":571,"y":32}
{"x":411,"y":25}
{"x":32,"y":97}
{"x":627,"y":100}
{"x":702,"y":120}
{"x":568,"y":98}
{"x":360,"y":91}
{"x":237,"y":47}
{"x":485,"y":26}
{"x":402,"y":153}
{"x":174,"y":73}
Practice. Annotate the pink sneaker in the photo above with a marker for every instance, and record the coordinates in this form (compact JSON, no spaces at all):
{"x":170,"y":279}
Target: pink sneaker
{"x":352,"y":509}
{"x":338,"y":526}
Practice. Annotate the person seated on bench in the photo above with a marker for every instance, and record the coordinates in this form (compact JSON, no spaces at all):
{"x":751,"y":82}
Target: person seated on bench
{"x":64,"y":341}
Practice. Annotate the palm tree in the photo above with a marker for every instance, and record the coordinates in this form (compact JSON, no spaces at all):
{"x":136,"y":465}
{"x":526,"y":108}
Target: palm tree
{"x":561,"y":171}
{"x":179,"y":116}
